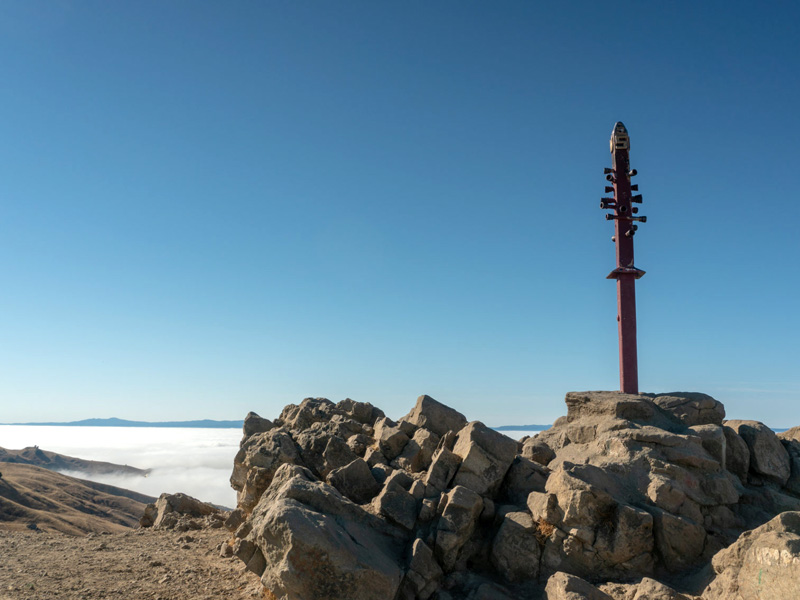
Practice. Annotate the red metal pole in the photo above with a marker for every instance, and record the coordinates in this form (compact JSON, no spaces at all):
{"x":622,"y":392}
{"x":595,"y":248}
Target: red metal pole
{"x":625,"y":273}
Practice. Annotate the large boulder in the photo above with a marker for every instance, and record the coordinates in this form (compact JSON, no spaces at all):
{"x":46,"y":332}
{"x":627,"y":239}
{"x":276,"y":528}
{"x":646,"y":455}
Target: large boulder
{"x":691,"y":408}
{"x":181,"y":512}
{"x":515,"y":549}
{"x":258,"y":458}
{"x":485,"y":455}
{"x":763,"y":564}
{"x":791,"y":441}
{"x":315,"y":544}
{"x":458,"y":521}
{"x":563,"y":586}
{"x":768,"y":457}
{"x":435,"y":416}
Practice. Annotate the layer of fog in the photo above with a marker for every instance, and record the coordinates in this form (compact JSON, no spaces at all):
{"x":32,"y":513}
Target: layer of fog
{"x":197,"y":462}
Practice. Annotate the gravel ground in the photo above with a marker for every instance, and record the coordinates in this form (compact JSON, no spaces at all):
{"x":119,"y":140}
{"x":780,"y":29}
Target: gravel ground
{"x":140,"y":564}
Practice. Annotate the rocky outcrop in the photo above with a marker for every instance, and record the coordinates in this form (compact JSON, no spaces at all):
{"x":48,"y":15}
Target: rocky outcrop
{"x":181,"y":512}
{"x":621,"y":497}
{"x":763,"y":564}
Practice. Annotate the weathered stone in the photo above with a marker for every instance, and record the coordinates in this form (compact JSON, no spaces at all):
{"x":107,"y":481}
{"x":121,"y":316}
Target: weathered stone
{"x":544,"y":507}
{"x":523,"y":477}
{"x":310,"y":411}
{"x":397,"y":505}
{"x":423,"y":575}
{"x":358,"y":443}
{"x":355,"y":481}
{"x":515,"y":550}
{"x":363,"y":412}
{"x":650,"y":589}
{"x":373,"y":456}
{"x":436,"y":417}
{"x":235,"y":519}
{"x":692,"y":408}
{"x":562,"y":586}
{"x":317,"y":545}
{"x":441,"y":472}
{"x":390,"y":438}
{"x":763,"y":564}
{"x":417,"y":454}
{"x":258,"y":458}
{"x":458,"y":521}
{"x":167,"y":510}
{"x":791,"y":441}
{"x":737,"y":454}
{"x":713,"y":437}
{"x":537,"y":450}
{"x":768,"y":457}
{"x":625,"y":539}
{"x":486,"y":456}
{"x":679,"y":541}
{"x":250,"y":554}
{"x":337,"y":454}
{"x":381,"y":472}
{"x":256,"y":424}
{"x":608,"y":404}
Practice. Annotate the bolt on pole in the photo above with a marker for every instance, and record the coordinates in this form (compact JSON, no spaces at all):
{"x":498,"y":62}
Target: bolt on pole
{"x":625,"y":220}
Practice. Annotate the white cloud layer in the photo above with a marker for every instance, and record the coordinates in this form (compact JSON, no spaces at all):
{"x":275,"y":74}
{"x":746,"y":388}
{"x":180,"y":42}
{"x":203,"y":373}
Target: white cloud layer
{"x":197,"y":462}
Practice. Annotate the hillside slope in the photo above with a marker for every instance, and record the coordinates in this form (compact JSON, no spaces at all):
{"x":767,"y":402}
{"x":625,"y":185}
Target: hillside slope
{"x":31,"y":496}
{"x":33,"y":455}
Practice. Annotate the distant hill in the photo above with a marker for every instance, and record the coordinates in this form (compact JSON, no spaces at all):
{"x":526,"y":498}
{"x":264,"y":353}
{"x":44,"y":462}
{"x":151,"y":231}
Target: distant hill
{"x":35,"y":498}
{"x":522,"y":427}
{"x":114,"y":422}
{"x":33,"y":455}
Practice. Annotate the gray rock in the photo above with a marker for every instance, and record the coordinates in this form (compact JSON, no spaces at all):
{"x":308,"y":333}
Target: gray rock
{"x":763,"y":564}
{"x":523,"y":477}
{"x":537,"y":450}
{"x":791,"y":441}
{"x":167,"y":511}
{"x":436,"y":417}
{"x":397,"y":505}
{"x":442,"y":470}
{"x":713,"y":437}
{"x":679,"y":541}
{"x":317,"y":545}
{"x":358,"y":443}
{"x":391,"y":439}
{"x":486,"y":456}
{"x":256,"y":424}
{"x":515,"y":550}
{"x":418,"y":452}
{"x":363,"y":412}
{"x":562,"y":586}
{"x":608,"y":404}
{"x":259,"y":456}
{"x":650,"y":589}
{"x":737,"y":454}
{"x":355,"y":481}
{"x":692,"y":408}
{"x":337,"y":454}
{"x":768,"y":457}
{"x":458,"y":521}
{"x":424,"y":574}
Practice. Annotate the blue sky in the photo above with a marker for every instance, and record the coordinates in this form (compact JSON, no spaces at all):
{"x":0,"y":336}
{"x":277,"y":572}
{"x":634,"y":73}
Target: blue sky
{"x":210,"y":208}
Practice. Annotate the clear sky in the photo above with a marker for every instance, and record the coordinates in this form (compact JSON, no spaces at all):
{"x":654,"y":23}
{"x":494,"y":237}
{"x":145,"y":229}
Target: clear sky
{"x":209,"y":208}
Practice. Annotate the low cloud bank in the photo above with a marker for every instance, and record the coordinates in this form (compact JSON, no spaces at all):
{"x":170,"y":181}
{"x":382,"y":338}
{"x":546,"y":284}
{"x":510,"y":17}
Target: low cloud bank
{"x":197,"y":462}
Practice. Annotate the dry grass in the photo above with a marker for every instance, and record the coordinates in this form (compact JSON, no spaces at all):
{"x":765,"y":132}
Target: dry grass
{"x":544,"y":530}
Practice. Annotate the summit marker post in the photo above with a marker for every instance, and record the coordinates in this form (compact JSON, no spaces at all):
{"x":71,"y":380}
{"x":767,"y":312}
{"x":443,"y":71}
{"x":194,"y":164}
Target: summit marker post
{"x":626,"y":274}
